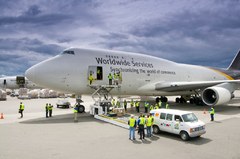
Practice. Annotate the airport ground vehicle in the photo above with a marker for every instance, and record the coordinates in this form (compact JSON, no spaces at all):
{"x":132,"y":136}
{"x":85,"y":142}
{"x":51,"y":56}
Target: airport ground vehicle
{"x":183,"y":123}
{"x":64,"y":103}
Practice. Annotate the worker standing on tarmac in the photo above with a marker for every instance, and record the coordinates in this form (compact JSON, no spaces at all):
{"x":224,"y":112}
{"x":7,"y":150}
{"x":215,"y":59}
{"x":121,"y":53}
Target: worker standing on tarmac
{"x":167,"y":106}
{"x":150,"y":124}
{"x":137,"y":104}
{"x":110,"y":77}
{"x":21,"y":109}
{"x":141,"y":123}
{"x":132,"y":125}
{"x":113,"y":102}
{"x":125,"y":105}
{"x":90,"y":78}
{"x":212,"y":112}
{"x":75,"y":111}
{"x":132,"y":104}
{"x":46,"y":108}
{"x":50,"y":108}
{"x":151,"y":107}
{"x":156,"y":106}
{"x":118,"y":104}
{"x":146,"y":105}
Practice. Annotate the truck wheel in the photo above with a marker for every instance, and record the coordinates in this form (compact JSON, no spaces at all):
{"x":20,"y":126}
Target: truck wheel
{"x":184,"y":135}
{"x":156,"y":129}
{"x":81,"y":109}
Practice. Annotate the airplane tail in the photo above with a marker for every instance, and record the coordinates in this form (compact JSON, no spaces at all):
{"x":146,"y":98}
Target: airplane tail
{"x":235,"y":65}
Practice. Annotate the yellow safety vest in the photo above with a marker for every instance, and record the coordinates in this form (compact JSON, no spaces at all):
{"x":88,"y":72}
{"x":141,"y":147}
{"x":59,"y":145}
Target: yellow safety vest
{"x":167,"y":106}
{"x":146,"y":104}
{"x":132,"y":122}
{"x":149,"y":121}
{"x":151,"y":107}
{"x":137,"y":104}
{"x":90,"y":78}
{"x":50,"y":108}
{"x":110,"y":76}
{"x":142,"y":121}
{"x":75,"y":110}
{"x":212,"y":111}
{"x":21,"y":107}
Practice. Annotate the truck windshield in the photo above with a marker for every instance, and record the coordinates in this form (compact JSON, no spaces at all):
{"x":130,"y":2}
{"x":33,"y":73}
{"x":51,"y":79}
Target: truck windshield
{"x":189,"y":117}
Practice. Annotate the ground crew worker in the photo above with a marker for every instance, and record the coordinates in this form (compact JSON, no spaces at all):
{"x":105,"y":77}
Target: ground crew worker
{"x":148,"y":124}
{"x":146,"y":105}
{"x":75,"y":111}
{"x":137,"y":104}
{"x":132,"y":125}
{"x":46,"y":108}
{"x":110,"y":77}
{"x":152,"y":120}
{"x":99,"y":74}
{"x":113,"y":102}
{"x":131,"y":104}
{"x":156,"y":106}
{"x":167,"y":106}
{"x":118,"y":104}
{"x":141,"y":123}
{"x":90,"y":78}
{"x":212,"y":112}
{"x":115,"y":78}
{"x":159,"y":104}
{"x":50,"y":109}
{"x":151,"y":107}
{"x":125,"y":105}
{"x":21,"y":109}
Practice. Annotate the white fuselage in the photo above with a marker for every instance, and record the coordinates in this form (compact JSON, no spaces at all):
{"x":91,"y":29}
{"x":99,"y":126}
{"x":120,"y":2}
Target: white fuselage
{"x":70,"y":72}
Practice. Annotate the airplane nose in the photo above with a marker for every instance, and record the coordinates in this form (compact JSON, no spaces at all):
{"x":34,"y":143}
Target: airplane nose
{"x":30,"y":74}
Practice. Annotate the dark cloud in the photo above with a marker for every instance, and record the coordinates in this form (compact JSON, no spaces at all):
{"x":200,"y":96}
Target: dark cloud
{"x":26,"y":44}
{"x":194,"y":32}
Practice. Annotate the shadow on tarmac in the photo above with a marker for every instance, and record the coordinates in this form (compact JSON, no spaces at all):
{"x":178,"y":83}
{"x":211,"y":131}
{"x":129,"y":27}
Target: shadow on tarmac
{"x":194,"y":141}
{"x":59,"y":119}
{"x":221,"y":109}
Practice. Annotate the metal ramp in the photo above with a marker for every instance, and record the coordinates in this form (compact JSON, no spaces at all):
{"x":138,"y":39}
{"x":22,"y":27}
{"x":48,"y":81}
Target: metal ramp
{"x":119,"y":121}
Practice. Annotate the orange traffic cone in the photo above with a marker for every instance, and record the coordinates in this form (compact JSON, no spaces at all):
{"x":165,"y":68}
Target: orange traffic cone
{"x":2,"y":116}
{"x":204,"y":111}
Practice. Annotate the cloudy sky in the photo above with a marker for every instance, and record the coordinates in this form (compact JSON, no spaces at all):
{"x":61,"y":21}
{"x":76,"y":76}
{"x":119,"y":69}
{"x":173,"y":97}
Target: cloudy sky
{"x":205,"y":32}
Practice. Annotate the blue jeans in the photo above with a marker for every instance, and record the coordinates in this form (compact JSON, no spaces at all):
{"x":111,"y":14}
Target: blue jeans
{"x":149,"y":131}
{"x":132,"y":133}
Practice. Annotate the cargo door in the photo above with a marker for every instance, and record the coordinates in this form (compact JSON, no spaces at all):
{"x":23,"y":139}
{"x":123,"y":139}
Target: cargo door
{"x":96,"y":72}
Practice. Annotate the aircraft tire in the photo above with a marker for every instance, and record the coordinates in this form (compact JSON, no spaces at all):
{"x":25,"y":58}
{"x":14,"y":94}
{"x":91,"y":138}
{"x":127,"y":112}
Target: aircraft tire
{"x":81,"y":109}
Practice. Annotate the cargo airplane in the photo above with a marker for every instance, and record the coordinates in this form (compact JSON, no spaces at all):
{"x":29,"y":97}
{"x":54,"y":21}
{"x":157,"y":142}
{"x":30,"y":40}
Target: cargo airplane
{"x":139,"y":74}
{"x":15,"y":82}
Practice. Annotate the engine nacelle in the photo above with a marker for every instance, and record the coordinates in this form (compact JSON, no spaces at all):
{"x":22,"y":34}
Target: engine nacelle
{"x":216,"y":95}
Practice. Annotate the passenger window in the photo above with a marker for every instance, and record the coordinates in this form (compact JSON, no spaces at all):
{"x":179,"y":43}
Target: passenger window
{"x":169,"y":117}
{"x":163,"y":116}
{"x":177,"y":117}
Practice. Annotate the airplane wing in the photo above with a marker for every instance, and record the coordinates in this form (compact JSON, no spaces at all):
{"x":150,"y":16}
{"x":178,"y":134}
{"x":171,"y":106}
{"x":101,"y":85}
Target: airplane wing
{"x":193,"y":85}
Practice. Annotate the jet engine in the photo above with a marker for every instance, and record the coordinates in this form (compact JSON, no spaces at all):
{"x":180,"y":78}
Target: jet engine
{"x":218,"y":94}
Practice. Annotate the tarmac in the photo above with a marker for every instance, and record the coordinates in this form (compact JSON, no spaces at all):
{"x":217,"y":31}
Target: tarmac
{"x":35,"y":136}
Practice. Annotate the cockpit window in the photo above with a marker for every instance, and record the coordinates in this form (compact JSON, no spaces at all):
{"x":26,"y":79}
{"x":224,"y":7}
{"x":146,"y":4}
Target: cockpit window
{"x":68,"y":52}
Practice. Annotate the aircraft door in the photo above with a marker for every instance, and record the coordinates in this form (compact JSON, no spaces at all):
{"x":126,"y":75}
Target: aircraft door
{"x":4,"y":82}
{"x":96,"y":72}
